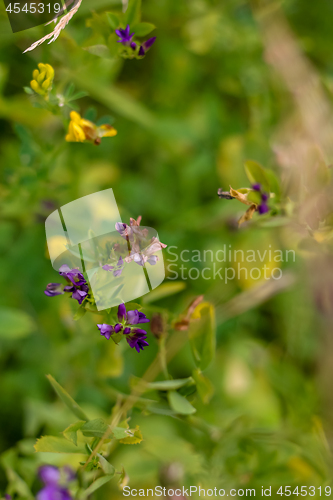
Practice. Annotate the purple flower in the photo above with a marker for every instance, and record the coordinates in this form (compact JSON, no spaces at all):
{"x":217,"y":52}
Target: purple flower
{"x":78,"y":286}
{"x":263,"y":208}
{"x":72,"y":275}
{"x":131,"y":317}
{"x":137,"y":339}
{"x":51,"y":477}
{"x":146,"y":46}
{"x":107,"y":330}
{"x":53,"y":289}
{"x":126,"y":37}
{"x":54,"y":492}
{"x":127,"y":319}
{"x":49,"y":474}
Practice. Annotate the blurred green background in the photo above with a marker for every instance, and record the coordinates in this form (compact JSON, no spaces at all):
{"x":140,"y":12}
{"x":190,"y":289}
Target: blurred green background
{"x":188,"y":115}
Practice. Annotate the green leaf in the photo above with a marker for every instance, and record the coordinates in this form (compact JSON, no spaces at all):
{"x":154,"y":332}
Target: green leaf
{"x":163,"y":291}
{"x":95,"y":486}
{"x":116,"y":337}
{"x":67,"y":399}
{"x":143,"y":29}
{"x":79,"y":313}
{"x":274,"y":184}
{"x":28,"y":90}
{"x":254,"y":196}
{"x":256,"y":174}
{"x":202,"y":334}
{"x":169,"y":385}
{"x":113,"y":20}
{"x":134,"y":436}
{"x":204,"y":386}
{"x":15,"y":324}
{"x":119,"y":433}
{"x":94,"y":428}
{"x":78,"y":95}
{"x":54,"y":444}
{"x":133,"y":12}
{"x":71,"y":432}
{"x":180,"y":404}
{"x":99,"y":50}
{"x":106,"y":467}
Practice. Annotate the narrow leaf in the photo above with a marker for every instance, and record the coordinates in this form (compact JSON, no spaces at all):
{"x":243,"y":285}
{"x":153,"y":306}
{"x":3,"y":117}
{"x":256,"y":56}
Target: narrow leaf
{"x":132,"y":14}
{"x":169,"y":385}
{"x":67,"y":399}
{"x":96,"y":485}
{"x":106,"y":467}
{"x":180,"y":404}
{"x":163,"y":291}
{"x":204,"y":386}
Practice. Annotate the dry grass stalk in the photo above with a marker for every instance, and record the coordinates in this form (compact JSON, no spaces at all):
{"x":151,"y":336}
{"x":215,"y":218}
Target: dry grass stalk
{"x":59,"y":27}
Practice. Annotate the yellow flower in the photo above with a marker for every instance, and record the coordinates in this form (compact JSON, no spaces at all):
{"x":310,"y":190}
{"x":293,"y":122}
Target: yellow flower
{"x":42,"y":79}
{"x":81,"y":130}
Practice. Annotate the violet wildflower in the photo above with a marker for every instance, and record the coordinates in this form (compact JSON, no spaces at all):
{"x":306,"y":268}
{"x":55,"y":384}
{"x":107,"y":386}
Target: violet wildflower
{"x":53,"y":488}
{"x":78,"y":285}
{"x":126,"y":37}
{"x":263,"y":208}
{"x":107,"y":330}
{"x":117,"y":270}
{"x":136,"y":338}
{"x":146,"y":46}
{"x":53,"y":289}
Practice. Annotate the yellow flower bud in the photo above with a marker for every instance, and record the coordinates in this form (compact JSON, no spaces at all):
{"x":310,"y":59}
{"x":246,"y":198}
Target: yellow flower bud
{"x":42,"y":79}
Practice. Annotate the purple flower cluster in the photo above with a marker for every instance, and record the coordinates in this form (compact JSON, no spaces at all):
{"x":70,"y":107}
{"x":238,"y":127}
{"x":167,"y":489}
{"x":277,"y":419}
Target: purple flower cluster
{"x":54,"y":489}
{"x":263,"y":207}
{"x":136,"y":338}
{"x":77,"y":284}
{"x":126,"y":38}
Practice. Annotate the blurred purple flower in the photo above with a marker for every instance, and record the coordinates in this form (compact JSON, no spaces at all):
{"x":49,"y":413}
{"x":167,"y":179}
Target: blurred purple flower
{"x":53,"y":289}
{"x":126,"y":37}
{"x":49,"y":474}
{"x":146,"y":45}
{"x":51,"y":477}
{"x":263,"y":208}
